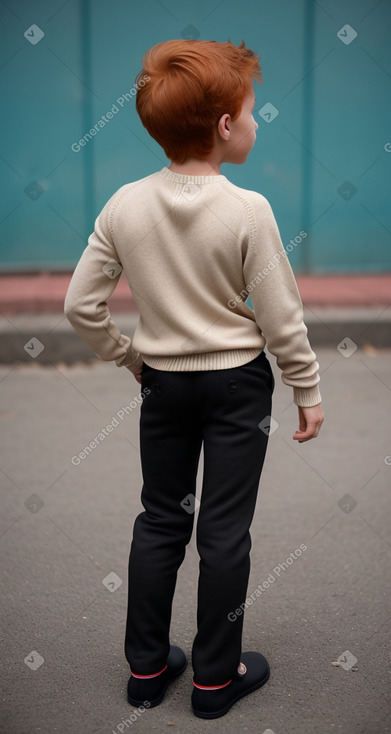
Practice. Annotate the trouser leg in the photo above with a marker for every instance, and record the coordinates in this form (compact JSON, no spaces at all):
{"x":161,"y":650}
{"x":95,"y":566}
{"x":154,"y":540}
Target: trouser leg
{"x":170,"y":444}
{"x":235,"y":402}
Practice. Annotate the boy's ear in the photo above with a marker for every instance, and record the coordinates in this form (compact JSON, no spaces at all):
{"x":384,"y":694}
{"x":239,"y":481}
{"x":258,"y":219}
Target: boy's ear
{"x":223,"y":126}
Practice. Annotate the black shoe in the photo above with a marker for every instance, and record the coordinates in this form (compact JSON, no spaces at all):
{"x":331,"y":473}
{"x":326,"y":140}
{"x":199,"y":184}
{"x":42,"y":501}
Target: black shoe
{"x":210,"y":704}
{"x":152,"y":690}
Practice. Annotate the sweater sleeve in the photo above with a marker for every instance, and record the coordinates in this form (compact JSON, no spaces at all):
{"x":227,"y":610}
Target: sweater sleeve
{"x":94,"y":280}
{"x":278,"y":308}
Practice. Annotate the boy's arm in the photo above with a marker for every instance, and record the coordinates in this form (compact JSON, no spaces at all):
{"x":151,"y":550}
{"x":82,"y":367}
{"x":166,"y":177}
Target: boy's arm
{"x":92,"y":283}
{"x":278,"y":307}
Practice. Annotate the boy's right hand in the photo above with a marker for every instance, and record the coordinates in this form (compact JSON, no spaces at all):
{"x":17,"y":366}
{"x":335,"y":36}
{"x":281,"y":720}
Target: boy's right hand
{"x":310,"y":421}
{"x":136,"y":369}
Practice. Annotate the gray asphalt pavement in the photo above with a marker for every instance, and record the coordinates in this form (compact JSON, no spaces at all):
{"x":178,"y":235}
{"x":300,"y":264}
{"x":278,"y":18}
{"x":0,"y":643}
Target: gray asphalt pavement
{"x":321,"y":557}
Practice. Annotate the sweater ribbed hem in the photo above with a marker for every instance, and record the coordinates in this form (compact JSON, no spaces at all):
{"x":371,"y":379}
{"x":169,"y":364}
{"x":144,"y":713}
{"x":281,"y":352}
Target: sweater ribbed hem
{"x":202,"y":362}
{"x":306,"y":397}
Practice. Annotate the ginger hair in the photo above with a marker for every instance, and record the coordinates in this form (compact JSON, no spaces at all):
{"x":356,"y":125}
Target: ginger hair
{"x":190,"y":85}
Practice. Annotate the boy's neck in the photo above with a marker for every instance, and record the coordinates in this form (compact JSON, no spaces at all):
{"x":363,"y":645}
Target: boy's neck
{"x":196,"y":167}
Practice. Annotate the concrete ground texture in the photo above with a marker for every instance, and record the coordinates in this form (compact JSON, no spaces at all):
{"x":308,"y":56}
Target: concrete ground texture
{"x":321,"y":554}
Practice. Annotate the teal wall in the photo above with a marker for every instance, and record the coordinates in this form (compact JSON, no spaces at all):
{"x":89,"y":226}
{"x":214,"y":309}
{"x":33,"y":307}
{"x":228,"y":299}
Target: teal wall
{"x":333,"y":126}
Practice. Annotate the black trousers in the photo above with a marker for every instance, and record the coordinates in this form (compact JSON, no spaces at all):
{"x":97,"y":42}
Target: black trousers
{"x":220,"y":409}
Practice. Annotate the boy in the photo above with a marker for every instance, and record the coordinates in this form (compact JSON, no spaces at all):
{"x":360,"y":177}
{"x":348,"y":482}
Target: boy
{"x":193,"y":246}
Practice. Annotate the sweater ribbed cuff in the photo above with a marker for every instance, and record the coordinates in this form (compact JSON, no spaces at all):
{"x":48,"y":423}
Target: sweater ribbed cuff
{"x":129,"y":360}
{"x":306,"y":397}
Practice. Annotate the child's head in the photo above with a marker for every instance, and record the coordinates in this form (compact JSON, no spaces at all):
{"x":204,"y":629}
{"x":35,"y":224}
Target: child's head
{"x":191,"y":85}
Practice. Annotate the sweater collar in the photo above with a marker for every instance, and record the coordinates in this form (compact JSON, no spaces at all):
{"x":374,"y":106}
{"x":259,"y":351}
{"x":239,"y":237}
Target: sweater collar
{"x":185,"y":178}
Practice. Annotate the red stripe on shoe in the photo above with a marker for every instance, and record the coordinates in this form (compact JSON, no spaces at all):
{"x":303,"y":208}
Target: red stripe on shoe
{"x":144,"y":677}
{"x":212,"y":688}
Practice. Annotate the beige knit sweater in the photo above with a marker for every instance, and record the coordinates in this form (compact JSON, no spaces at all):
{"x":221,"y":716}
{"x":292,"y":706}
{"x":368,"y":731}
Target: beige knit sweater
{"x":192,"y":249}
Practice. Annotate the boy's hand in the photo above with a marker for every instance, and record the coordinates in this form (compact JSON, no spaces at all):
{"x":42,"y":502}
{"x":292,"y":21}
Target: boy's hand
{"x":137,"y":375}
{"x":136,"y":369}
{"x":310,"y":421}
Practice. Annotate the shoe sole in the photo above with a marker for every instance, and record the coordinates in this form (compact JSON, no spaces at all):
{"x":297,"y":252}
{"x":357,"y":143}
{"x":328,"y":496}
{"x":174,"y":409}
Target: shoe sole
{"x":242,"y":694}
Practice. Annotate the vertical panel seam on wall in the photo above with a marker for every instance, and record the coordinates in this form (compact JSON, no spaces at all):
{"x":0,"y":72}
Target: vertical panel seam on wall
{"x":87,"y":121}
{"x":307,"y":130}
